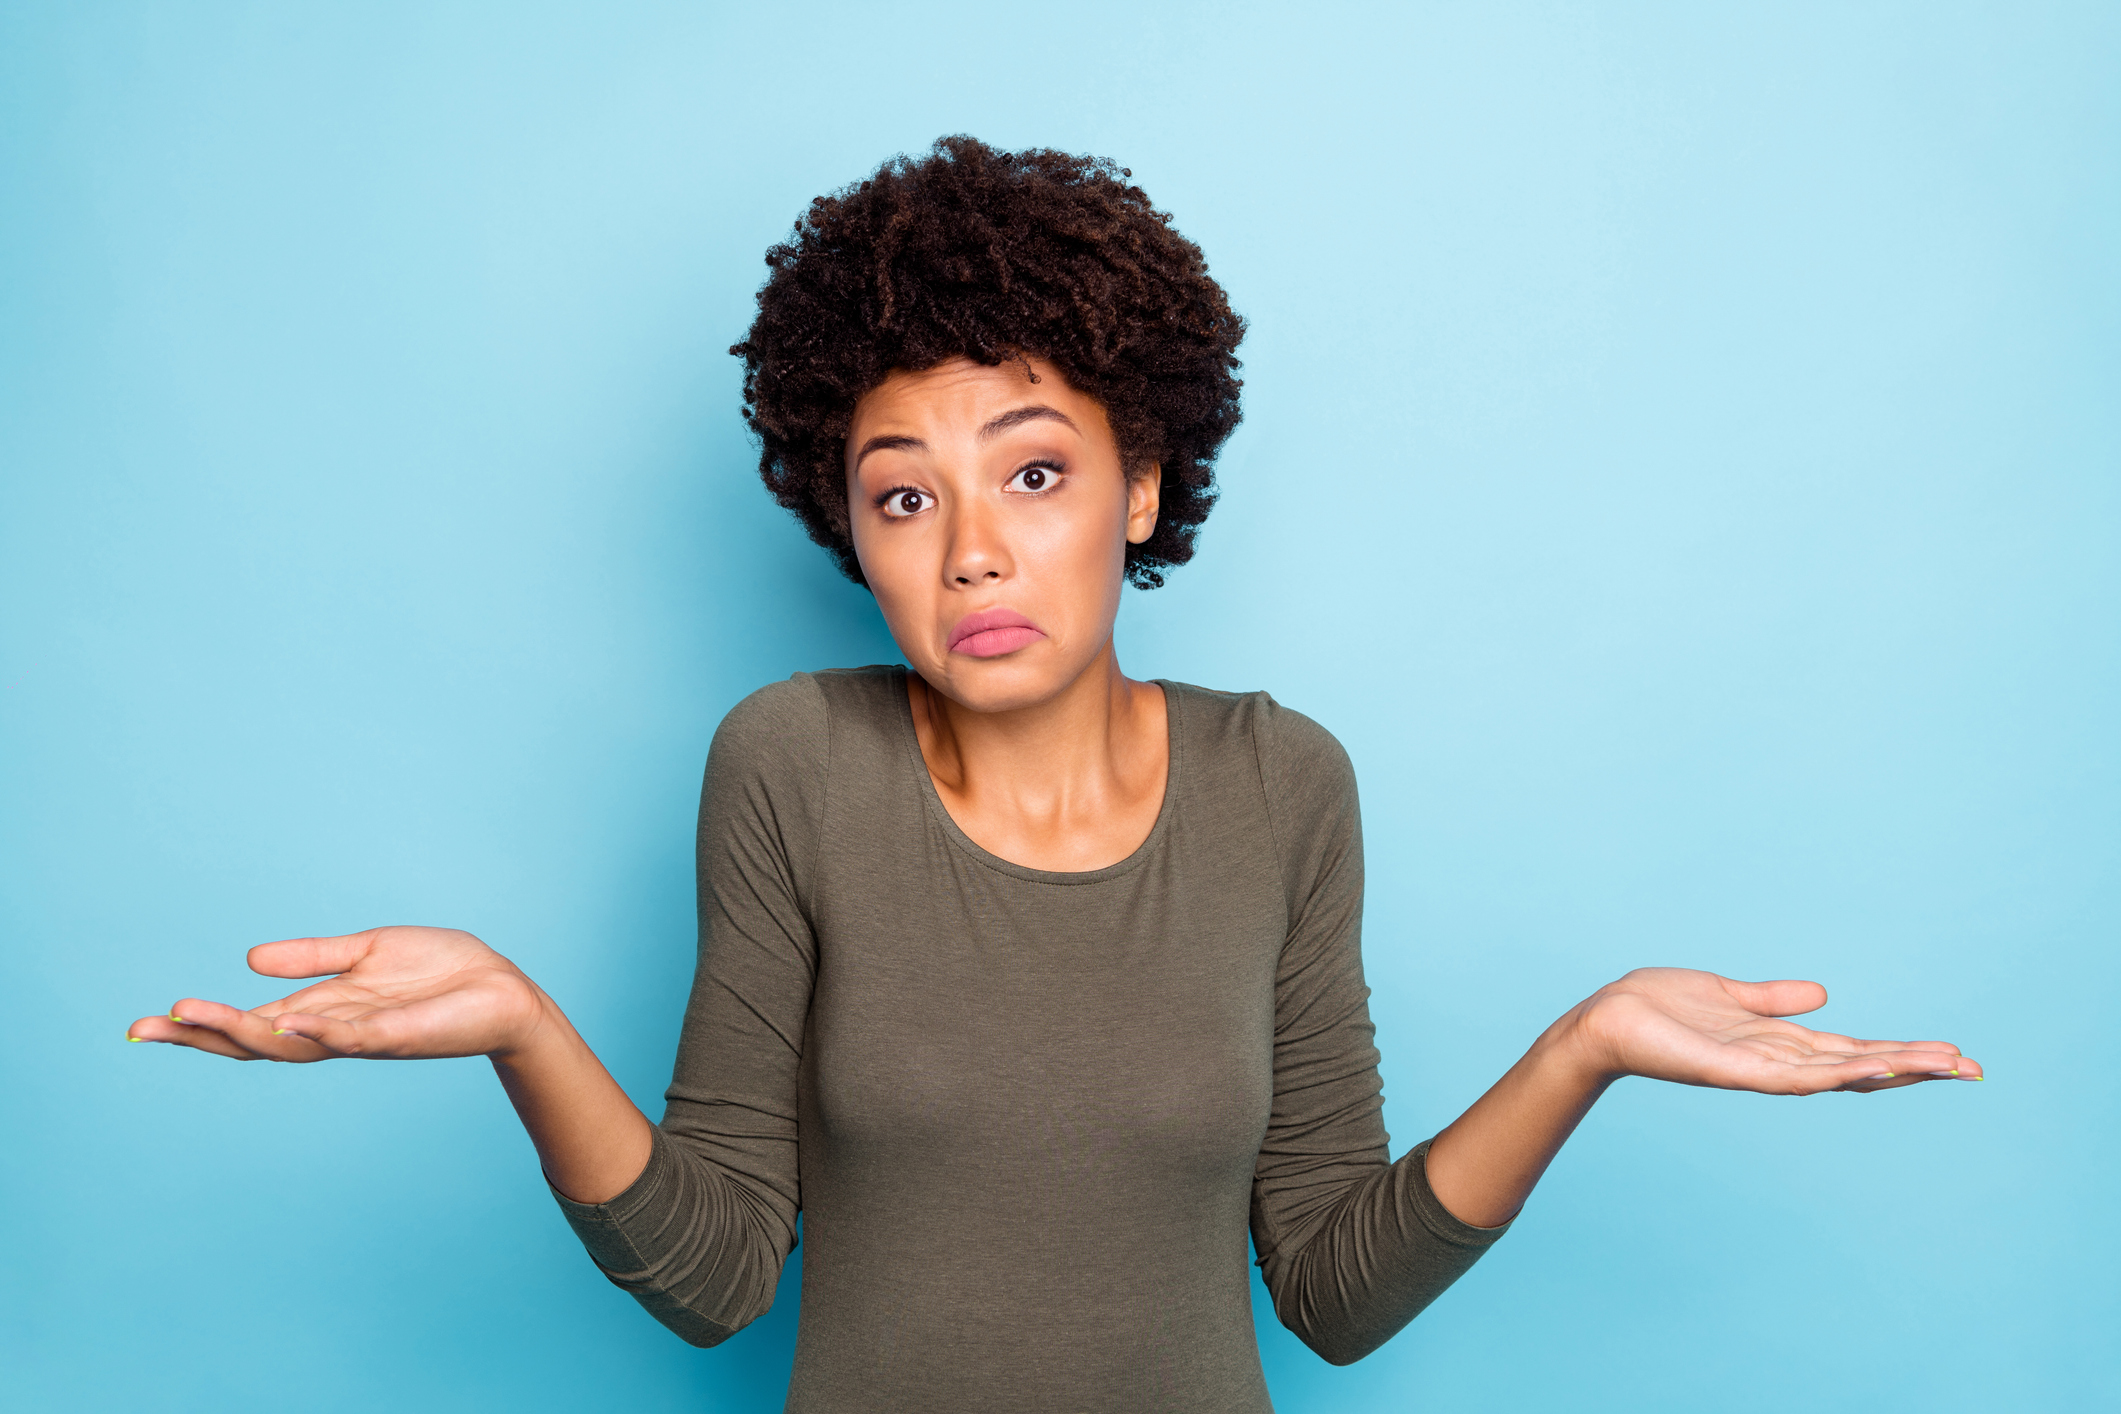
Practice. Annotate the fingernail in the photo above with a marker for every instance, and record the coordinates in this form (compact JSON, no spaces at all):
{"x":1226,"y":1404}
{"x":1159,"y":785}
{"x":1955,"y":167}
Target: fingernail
{"x":1887,"y":1076}
{"x":283,"y":1031}
{"x":131,"y":1037}
{"x":173,"y":1015}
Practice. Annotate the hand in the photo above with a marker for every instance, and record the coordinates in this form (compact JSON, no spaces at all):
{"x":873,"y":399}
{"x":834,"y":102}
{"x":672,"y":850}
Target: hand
{"x":398,"y":994}
{"x":1696,"y":1028}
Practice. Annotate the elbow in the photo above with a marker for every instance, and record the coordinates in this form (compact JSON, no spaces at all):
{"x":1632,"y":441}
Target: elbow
{"x":1337,"y":1347}
{"x":1336,"y":1355}
{"x":1340,"y":1325}
{"x":706,"y":1304}
{"x":689,"y":1325}
{"x":700,"y":1334}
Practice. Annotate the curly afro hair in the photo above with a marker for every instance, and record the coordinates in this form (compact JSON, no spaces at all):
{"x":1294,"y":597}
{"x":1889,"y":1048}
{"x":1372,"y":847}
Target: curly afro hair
{"x":971,"y":252}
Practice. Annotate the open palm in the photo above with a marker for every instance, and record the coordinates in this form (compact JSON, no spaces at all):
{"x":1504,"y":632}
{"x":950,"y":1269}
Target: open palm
{"x":1696,"y":1028}
{"x":390,"y":993}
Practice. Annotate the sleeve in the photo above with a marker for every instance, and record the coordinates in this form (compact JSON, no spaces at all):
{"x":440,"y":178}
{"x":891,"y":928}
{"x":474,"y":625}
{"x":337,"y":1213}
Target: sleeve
{"x":700,"y":1237}
{"x":1352,"y":1246}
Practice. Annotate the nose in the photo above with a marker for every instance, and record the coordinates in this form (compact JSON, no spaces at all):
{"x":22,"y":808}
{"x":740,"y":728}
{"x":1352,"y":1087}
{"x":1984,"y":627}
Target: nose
{"x":978,"y":553}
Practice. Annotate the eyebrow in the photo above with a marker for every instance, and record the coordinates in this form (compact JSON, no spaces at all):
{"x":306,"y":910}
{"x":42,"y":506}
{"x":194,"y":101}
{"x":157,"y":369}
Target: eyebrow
{"x":889,"y":444}
{"x":1015,"y":417}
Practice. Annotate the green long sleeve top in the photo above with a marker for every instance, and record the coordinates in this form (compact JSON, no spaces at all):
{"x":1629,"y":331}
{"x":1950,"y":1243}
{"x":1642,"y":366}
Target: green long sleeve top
{"x":1027,"y":1117}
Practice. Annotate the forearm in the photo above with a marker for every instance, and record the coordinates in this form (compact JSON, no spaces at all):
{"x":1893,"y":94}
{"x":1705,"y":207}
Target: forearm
{"x":1484,"y":1166}
{"x":592,"y":1140}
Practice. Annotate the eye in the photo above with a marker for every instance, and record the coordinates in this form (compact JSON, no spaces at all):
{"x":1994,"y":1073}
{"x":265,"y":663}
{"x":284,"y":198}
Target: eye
{"x":903,"y":501}
{"x":1037,"y":477}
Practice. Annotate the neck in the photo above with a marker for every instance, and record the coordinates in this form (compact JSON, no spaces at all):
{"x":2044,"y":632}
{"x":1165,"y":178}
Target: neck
{"x":1074,"y":782}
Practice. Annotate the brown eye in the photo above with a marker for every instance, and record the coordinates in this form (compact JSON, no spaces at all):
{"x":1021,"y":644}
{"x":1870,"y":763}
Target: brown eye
{"x":902,"y":503}
{"x":909,"y":502}
{"x":1035,"y":479}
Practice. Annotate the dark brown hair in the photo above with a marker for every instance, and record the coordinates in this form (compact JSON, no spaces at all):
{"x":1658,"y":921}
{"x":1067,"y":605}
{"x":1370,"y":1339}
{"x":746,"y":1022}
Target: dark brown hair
{"x":971,"y":252}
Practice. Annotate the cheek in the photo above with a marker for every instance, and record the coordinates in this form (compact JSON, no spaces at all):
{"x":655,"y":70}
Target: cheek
{"x":883,"y":555}
{"x":898,"y":571}
{"x":1077,"y":562}
{"x":898,"y":575}
{"x":1090,"y":530}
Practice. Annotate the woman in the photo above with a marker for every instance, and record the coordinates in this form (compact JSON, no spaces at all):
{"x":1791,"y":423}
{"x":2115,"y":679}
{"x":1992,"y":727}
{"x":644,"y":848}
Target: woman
{"x":1030,"y":986}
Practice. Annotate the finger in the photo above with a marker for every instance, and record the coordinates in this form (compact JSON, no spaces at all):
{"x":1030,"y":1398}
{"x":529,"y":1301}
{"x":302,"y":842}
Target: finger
{"x":172,"y":1032}
{"x":1832,"y":1041}
{"x":1918,"y":1055}
{"x":1891,"y":1071}
{"x":245,"y":1029}
{"x":341,"y":1038}
{"x":311,"y":957}
{"x":1737,"y":1068}
{"x":1900,"y":1081}
{"x":1785,"y":998}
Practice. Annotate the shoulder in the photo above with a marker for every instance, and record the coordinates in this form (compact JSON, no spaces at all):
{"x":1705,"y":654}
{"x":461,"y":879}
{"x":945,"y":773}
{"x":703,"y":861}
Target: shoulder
{"x":775,"y":751}
{"x":779,"y":734}
{"x":770,"y":714}
{"x":794,"y":720}
{"x":1291,"y":750}
{"x":1294,"y":767}
{"x":769,"y":770}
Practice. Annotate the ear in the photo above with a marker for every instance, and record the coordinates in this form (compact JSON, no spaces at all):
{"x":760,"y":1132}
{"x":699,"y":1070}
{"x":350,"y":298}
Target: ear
{"x":1144,"y":498}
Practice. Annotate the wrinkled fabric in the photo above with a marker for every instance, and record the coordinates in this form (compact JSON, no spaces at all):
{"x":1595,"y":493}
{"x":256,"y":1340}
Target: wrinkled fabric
{"x":1027,"y":1117}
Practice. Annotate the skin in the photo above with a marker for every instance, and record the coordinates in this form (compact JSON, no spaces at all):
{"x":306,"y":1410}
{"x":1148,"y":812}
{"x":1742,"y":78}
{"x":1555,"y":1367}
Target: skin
{"x":1047,"y":755}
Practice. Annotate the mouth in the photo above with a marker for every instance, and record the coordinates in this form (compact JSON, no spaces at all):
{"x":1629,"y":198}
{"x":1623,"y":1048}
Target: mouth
{"x":992,"y":632}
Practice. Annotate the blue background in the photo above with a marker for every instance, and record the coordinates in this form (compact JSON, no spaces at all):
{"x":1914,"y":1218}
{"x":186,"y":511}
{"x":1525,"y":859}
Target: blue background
{"x":1682,"y":463}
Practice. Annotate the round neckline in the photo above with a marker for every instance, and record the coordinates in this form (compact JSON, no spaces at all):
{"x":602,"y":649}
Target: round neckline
{"x":934,"y":800}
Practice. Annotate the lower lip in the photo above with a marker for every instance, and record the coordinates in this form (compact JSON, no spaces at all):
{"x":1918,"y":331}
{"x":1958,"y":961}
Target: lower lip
{"x":994,"y":642}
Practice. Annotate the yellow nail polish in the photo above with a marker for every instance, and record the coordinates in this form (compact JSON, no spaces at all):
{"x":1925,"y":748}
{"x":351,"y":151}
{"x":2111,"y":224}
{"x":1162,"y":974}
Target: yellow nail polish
{"x":1887,"y":1076}
{"x":131,"y":1037}
{"x":277,"y":1031}
{"x":173,"y":1015}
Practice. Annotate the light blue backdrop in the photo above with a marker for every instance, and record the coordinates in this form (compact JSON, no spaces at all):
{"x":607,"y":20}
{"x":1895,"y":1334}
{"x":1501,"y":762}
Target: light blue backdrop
{"x":1682,"y":462}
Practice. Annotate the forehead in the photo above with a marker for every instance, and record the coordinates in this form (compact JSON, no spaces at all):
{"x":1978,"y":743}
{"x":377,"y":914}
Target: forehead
{"x":962,"y":396}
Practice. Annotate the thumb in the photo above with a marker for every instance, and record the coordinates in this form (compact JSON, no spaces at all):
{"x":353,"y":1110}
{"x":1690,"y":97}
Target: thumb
{"x":1785,"y":998}
{"x":310,"y":957}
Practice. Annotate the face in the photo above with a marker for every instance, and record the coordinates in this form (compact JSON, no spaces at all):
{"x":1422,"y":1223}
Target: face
{"x":991,"y":516}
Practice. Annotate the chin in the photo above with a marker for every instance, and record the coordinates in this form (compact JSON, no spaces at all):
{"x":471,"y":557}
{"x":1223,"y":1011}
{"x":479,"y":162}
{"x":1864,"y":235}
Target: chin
{"x":1006,"y":684}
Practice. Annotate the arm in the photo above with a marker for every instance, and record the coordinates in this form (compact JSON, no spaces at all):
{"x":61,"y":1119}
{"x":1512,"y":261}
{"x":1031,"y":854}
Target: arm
{"x":592,"y":1141}
{"x":693,"y":1217}
{"x":423,"y":993}
{"x":1353,"y":1246}
{"x":1666,"y":1023}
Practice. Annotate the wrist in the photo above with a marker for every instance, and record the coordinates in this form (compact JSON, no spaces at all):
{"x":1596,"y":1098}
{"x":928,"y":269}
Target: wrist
{"x":1484,"y":1165}
{"x":1576,"y":1047}
{"x":539,"y":1033}
{"x":591,"y":1140}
